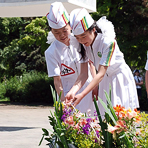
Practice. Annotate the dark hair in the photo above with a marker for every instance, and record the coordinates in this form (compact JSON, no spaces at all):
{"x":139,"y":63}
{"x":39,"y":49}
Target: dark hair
{"x":82,"y":52}
{"x":137,"y":71}
{"x":94,"y":25}
{"x":98,"y":30}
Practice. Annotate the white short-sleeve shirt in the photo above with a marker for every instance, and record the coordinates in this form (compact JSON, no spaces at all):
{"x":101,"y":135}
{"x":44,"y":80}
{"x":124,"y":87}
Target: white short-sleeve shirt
{"x":64,"y":61}
{"x":103,"y":53}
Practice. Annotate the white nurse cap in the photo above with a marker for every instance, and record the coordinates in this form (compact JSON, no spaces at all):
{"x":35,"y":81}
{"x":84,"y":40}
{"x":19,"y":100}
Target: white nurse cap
{"x":80,"y":21}
{"x":57,"y":16}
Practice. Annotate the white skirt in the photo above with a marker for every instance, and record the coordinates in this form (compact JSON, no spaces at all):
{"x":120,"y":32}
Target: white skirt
{"x":123,"y":89}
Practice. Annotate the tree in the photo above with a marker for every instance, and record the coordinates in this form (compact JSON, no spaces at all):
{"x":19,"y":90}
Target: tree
{"x":25,"y":51}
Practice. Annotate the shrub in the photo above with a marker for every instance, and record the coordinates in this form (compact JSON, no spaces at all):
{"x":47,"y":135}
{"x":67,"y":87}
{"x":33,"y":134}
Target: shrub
{"x":29,"y":88}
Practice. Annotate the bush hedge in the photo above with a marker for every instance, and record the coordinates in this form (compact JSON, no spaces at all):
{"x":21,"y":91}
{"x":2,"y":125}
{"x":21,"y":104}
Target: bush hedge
{"x":29,"y":88}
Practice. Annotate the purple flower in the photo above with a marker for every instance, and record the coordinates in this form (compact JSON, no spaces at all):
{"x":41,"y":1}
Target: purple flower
{"x":96,"y":141}
{"x":66,"y":112}
{"x":86,"y":129}
{"x":97,"y":133}
{"x":88,"y":120}
{"x":95,"y":113}
{"x":63,"y":117}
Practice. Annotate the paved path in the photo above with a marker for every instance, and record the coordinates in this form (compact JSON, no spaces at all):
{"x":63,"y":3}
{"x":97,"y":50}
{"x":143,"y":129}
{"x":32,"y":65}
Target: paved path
{"x":21,"y":126}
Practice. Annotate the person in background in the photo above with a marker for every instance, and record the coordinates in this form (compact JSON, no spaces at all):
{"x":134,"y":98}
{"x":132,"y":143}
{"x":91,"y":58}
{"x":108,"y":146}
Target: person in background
{"x":102,"y":49}
{"x":139,"y":83}
{"x":62,"y":56}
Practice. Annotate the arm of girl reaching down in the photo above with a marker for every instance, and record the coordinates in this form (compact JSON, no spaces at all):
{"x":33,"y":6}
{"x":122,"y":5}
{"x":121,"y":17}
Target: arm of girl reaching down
{"x":93,"y":73}
{"x":78,"y":84}
{"x":58,"y":86}
{"x":96,"y":80}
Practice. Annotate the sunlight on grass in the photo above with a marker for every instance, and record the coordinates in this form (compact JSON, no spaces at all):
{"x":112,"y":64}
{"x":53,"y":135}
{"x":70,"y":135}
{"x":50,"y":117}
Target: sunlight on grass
{"x":4,"y":100}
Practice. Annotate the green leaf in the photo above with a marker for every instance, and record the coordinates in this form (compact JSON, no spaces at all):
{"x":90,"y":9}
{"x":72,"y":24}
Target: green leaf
{"x":46,"y":133}
{"x":110,"y":106}
{"x":107,"y":110}
{"x":41,"y":140}
{"x":101,"y":123}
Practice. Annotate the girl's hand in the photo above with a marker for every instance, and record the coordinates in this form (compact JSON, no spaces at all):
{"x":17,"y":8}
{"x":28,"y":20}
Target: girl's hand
{"x":69,"y":98}
{"x":77,"y":99}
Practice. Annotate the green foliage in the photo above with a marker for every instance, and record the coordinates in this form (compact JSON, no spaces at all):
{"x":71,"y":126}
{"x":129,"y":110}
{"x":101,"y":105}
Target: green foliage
{"x":35,"y":37}
{"x":24,"y":51}
{"x":10,"y":28}
{"x":31,"y":87}
{"x":59,"y":129}
{"x":130,"y":20}
{"x":144,"y":136}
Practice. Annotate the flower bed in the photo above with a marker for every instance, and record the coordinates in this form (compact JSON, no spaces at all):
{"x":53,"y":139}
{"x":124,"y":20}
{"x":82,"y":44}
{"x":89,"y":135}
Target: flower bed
{"x":121,"y":128}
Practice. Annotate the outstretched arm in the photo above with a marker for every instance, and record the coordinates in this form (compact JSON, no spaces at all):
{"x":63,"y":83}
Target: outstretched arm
{"x":97,"y":79}
{"x":79,"y":82}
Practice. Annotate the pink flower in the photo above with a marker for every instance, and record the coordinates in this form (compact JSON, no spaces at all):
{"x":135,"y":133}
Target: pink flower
{"x":79,"y":114}
{"x":69,"y":121}
{"x":132,"y":114}
{"x":119,"y":127}
{"x":111,"y":128}
{"x":82,"y":122}
{"x":77,"y":127}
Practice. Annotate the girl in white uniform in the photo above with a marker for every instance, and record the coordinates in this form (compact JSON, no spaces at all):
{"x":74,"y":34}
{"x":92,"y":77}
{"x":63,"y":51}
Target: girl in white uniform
{"x":103,"y":51}
{"x":62,"y":57}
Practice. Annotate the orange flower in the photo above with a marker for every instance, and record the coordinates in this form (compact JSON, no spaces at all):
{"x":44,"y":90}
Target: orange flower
{"x":118,"y":109}
{"x":122,"y":114}
{"x":138,"y":118}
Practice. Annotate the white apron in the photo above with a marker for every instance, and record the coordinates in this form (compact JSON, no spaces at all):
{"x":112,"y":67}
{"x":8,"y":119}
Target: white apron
{"x":106,"y":52}
{"x":64,"y":61}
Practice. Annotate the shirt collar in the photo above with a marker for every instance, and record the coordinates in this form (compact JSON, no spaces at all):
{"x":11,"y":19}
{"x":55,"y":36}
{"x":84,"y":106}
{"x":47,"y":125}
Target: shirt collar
{"x":95,"y":43}
{"x":60,"y":45}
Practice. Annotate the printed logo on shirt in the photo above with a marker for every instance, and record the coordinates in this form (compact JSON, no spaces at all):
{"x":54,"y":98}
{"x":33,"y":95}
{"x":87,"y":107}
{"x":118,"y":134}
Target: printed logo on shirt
{"x":65,"y":70}
{"x":99,"y":54}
